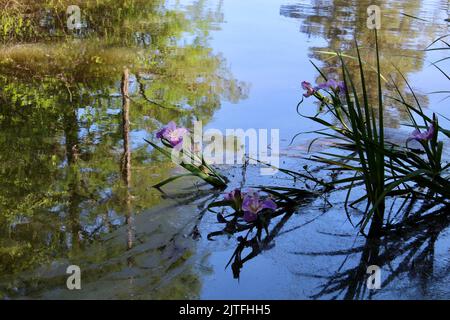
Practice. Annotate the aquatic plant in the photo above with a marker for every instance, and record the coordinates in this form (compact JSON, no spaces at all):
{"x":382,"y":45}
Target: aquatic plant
{"x":422,"y":136}
{"x":308,"y":88}
{"x":172,"y":134}
{"x":383,"y":168}
{"x":172,"y":138}
{"x":248,"y":205}
{"x":253,"y":205}
{"x":247,"y":213}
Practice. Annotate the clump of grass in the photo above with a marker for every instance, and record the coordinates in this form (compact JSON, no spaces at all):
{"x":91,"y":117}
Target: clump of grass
{"x":385,"y":169}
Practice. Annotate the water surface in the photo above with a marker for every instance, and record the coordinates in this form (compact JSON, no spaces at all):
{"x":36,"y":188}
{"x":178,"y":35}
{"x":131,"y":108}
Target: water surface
{"x":76,"y":189}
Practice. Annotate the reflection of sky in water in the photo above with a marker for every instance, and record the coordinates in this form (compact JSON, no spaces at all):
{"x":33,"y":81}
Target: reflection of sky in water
{"x":267,"y":50}
{"x":266,"y":43}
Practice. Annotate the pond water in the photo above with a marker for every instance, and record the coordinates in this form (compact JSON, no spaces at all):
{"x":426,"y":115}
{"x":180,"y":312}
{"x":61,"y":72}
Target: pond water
{"x":75,"y":188}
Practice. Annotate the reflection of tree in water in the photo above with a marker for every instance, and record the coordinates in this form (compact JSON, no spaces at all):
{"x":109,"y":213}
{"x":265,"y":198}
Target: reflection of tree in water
{"x":404,"y":253}
{"x":339,"y":22}
{"x":71,"y":168}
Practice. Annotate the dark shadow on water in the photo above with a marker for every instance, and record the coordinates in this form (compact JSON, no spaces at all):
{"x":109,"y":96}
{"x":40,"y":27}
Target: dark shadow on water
{"x":404,"y":253}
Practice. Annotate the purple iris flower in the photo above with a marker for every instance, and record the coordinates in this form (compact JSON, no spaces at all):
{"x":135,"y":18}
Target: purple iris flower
{"x":423,"y":136}
{"x":341,"y":86}
{"x":236,"y":197}
{"x":172,"y":134}
{"x":252,"y":205}
{"x":332,"y":84}
{"x":233,"y":195}
{"x":309,"y":89}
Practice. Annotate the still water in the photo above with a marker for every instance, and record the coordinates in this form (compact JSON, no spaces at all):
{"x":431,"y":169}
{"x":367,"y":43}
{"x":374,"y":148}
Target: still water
{"x":76,"y":190}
